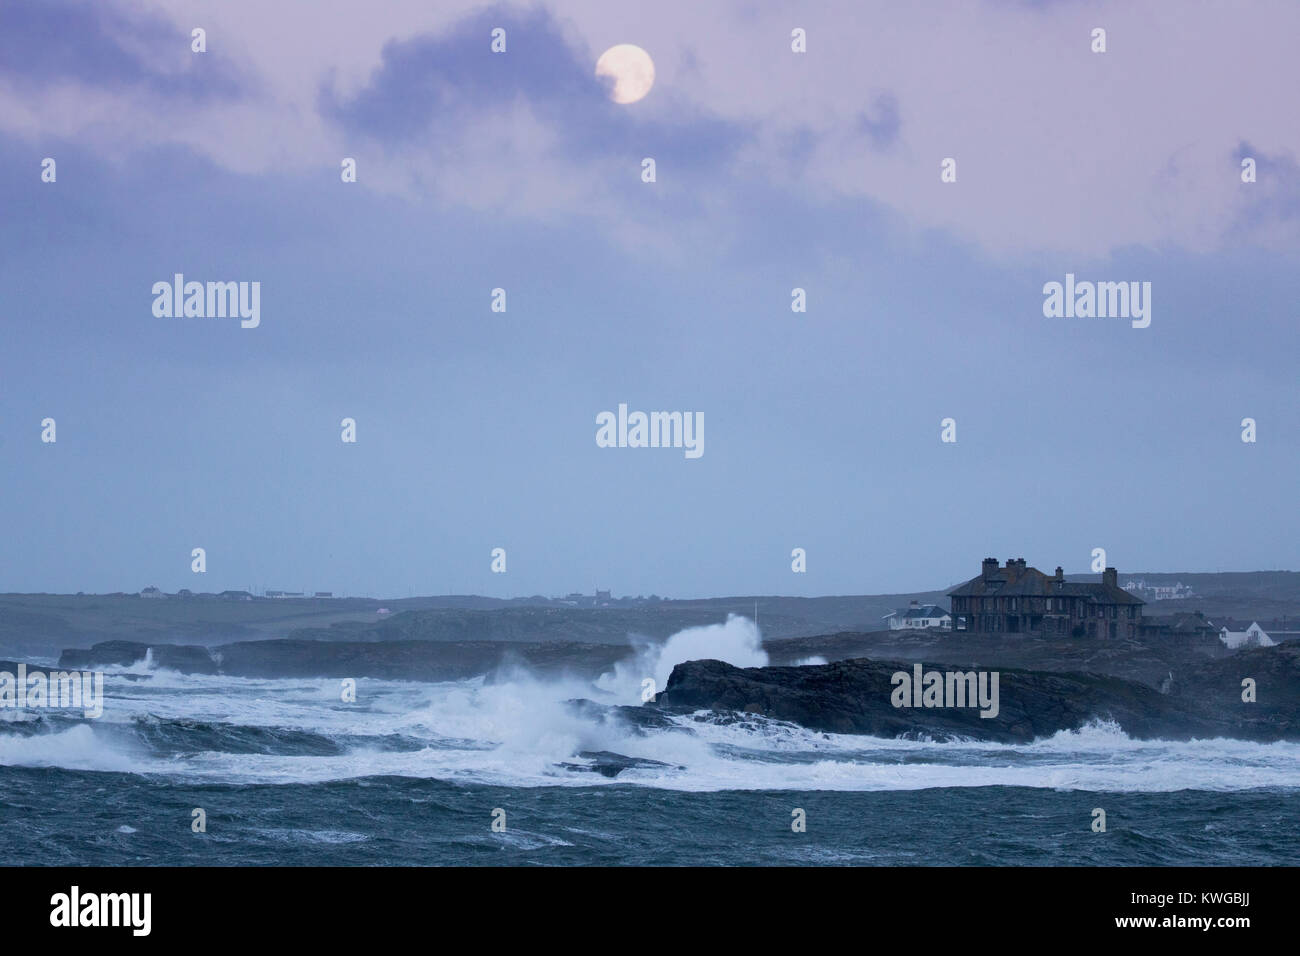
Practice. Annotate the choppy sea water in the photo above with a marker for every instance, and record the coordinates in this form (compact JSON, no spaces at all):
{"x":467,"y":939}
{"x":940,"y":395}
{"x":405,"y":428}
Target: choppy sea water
{"x":411,"y":773}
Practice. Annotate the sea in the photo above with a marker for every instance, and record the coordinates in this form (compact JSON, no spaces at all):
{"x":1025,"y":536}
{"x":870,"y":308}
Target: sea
{"x":221,"y":771}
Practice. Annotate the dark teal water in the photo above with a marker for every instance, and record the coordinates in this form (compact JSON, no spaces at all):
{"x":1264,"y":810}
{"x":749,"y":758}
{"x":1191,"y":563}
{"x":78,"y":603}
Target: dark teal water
{"x":56,"y":816}
{"x":410,"y":773}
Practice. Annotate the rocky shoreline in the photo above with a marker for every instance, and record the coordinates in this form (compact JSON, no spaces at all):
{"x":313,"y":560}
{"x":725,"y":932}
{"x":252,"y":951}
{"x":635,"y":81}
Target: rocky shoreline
{"x":858,"y":697}
{"x":1199,"y":696}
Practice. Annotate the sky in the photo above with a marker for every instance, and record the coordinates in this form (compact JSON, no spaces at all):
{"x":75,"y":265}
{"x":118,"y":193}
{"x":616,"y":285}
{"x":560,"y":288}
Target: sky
{"x":775,"y":170}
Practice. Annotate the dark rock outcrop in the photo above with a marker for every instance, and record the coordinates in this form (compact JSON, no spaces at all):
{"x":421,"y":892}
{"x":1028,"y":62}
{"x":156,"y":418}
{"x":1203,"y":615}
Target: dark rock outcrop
{"x":1218,"y":688}
{"x":854,"y":697}
{"x":186,"y":658}
{"x":635,"y":719}
{"x":609,"y":764}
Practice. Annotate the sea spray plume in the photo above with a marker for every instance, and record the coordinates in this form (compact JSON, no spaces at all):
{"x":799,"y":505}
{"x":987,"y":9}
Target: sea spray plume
{"x":522,"y":727}
{"x":517,"y":715}
{"x":738,"y":641}
{"x":524,"y":722}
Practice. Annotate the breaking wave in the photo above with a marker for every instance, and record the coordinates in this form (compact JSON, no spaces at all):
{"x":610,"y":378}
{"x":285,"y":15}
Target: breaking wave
{"x":526,"y":732}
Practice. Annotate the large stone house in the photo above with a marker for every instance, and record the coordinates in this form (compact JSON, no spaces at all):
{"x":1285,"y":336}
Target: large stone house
{"x":1015,"y":598}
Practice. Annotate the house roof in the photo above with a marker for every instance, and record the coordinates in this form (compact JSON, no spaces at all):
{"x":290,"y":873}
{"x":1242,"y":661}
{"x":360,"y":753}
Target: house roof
{"x":923,"y":610}
{"x":1030,"y":582}
{"x":1185,"y":622}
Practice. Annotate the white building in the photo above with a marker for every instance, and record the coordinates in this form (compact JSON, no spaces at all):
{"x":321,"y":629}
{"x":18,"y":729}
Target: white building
{"x":1252,"y":636}
{"x":1159,"y":592}
{"x":919,"y":615}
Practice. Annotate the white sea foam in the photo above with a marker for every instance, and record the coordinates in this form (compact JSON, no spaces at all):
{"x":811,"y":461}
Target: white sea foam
{"x":76,"y":748}
{"x":737,"y":641}
{"x":517,"y":732}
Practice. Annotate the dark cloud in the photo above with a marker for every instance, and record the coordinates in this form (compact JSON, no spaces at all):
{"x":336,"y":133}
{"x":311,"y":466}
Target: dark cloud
{"x":882,"y":124}
{"x":43,"y":42}
{"x":1274,"y":197}
{"x":426,"y":87}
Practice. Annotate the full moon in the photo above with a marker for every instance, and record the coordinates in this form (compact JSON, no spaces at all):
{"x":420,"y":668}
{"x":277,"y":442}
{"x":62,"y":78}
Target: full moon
{"x":631,"y":69}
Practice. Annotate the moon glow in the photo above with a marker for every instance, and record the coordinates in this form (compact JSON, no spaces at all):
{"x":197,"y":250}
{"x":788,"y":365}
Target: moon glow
{"x":631,"y":69}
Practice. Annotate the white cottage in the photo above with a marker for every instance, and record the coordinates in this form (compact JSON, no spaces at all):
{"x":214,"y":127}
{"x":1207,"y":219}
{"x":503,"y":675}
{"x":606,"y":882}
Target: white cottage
{"x":1252,"y":636}
{"x":919,"y":615}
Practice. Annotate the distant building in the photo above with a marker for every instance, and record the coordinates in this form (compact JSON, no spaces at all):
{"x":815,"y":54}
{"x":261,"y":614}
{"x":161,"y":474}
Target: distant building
{"x":234,"y":596}
{"x":1159,"y":592}
{"x":1191,"y":624}
{"x":383,"y":612}
{"x":323,"y":594}
{"x":600,"y":599}
{"x":1017,"y":598}
{"x":1279,"y":629}
{"x":919,"y":615}
{"x":152,"y":592}
{"x":1252,"y":636}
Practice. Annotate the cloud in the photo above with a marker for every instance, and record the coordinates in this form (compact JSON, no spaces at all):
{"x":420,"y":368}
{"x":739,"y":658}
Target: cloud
{"x":881,"y":124}
{"x":1271,"y":205}
{"x":533,"y":126}
{"x":426,"y":83}
{"x":1060,"y":151}
{"x":47,"y":43}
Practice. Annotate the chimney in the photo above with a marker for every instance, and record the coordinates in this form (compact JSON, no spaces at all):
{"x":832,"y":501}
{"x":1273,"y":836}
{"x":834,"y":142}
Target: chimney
{"x":1110,"y":577}
{"x":989,"y":567}
{"x":1060,"y":574}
